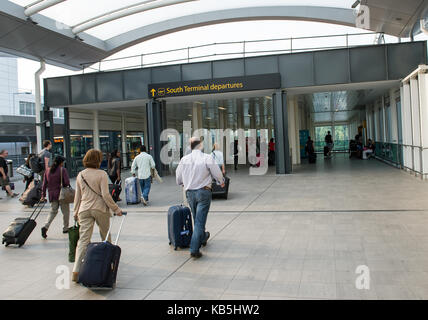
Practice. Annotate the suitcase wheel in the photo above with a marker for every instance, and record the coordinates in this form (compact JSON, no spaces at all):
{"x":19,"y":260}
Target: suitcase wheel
{"x":20,"y":245}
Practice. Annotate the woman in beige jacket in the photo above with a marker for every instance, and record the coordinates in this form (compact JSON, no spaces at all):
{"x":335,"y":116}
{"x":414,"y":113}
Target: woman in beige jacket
{"x":92,"y":204}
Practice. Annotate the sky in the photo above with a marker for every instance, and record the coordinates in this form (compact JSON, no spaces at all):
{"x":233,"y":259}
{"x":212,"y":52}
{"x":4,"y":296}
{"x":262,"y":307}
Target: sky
{"x":71,"y":12}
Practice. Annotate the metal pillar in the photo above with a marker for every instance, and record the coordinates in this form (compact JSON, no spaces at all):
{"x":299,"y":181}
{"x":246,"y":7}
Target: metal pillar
{"x":47,"y":124}
{"x":124,"y":146}
{"x":282,"y":146}
{"x":96,"y":130}
{"x":38,"y":104}
{"x":155,"y":125}
{"x":67,"y":144}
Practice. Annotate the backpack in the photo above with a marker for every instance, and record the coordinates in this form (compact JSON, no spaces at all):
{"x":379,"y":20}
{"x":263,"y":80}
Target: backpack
{"x":37,"y":164}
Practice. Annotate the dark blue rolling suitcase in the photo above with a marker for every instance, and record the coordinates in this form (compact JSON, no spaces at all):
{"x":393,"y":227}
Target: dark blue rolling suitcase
{"x":101,"y":263}
{"x":180,"y":228}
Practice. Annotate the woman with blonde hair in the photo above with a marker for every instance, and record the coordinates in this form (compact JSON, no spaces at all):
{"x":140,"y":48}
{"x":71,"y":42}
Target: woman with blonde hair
{"x":92,"y":204}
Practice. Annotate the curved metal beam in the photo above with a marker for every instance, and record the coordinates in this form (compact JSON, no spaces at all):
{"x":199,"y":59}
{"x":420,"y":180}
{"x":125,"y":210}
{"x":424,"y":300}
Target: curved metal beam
{"x":124,"y":12}
{"x":344,"y":17}
{"x":40,"y":5}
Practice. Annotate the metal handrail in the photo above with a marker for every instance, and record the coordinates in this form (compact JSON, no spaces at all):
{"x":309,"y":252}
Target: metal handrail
{"x":292,"y":48}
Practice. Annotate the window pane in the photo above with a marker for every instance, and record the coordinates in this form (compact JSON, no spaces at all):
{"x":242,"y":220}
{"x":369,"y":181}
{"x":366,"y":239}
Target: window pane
{"x":21,"y":108}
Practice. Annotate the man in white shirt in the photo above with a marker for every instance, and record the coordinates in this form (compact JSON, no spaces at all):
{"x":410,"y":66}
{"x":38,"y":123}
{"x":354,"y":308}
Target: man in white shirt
{"x":195,"y":172}
{"x":144,"y":163}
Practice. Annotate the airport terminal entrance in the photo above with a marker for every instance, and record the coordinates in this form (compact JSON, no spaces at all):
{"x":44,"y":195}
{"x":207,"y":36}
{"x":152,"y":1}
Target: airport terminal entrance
{"x":224,"y":121}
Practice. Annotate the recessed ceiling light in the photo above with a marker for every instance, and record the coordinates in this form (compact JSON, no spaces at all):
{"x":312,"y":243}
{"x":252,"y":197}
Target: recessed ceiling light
{"x":222,"y":108}
{"x":208,"y":118}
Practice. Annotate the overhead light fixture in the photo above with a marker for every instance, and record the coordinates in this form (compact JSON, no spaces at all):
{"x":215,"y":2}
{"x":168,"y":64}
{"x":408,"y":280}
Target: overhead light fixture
{"x":356,"y":3}
{"x":222,"y":108}
{"x":208,"y":118}
{"x":189,"y":115}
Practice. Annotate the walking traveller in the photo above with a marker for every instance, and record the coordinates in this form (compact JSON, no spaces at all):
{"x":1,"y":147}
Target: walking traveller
{"x":4,"y":178}
{"x":144,"y":163}
{"x":218,"y":157}
{"x":196,"y":172}
{"x":114,"y":167}
{"x":92,"y":204}
{"x":46,"y":156}
{"x":54,"y":179}
{"x":27,"y":180}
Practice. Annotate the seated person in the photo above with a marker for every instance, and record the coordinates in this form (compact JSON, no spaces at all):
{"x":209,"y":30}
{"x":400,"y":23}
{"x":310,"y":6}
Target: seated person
{"x":369,"y":150}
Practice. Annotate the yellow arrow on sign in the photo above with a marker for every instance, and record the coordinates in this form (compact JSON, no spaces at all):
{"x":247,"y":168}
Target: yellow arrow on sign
{"x":153,"y":91}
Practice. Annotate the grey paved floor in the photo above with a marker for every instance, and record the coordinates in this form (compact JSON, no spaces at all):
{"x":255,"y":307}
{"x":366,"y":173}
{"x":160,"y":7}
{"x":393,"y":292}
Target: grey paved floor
{"x":299,"y":236}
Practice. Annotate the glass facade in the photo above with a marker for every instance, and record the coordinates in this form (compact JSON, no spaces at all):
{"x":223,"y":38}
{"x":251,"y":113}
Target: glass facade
{"x":134,"y":141}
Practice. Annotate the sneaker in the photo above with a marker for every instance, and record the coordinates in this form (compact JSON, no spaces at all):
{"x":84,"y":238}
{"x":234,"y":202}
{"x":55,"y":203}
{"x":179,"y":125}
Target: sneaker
{"x":44,"y":232}
{"x":196,"y":255}
{"x":144,"y":201}
{"x":207,"y":236}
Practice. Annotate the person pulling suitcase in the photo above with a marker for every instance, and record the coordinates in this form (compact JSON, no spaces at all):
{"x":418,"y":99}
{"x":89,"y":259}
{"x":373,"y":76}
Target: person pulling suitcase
{"x":92,"y":204}
{"x":195,"y":172}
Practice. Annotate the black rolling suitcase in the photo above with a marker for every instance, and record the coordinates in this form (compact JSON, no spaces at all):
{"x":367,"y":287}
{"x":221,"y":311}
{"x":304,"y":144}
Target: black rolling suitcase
{"x":20,"y":229}
{"x":101,"y":263}
{"x":115,"y":189}
{"x":218,"y":191}
{"x":180,"y":228}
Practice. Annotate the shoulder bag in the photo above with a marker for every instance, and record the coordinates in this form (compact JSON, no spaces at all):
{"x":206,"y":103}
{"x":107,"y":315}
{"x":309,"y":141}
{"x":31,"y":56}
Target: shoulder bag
{"x":66,"y":194}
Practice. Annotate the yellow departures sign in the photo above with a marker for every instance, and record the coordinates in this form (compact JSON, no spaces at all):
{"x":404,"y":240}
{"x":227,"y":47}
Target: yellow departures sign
{"x":212,"y":86}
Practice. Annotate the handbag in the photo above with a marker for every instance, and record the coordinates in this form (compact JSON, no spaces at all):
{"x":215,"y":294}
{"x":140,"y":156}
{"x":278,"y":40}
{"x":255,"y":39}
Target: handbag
{"x":73,"y":238}
{"x":25,"y":171}
{"x":66,"y":194}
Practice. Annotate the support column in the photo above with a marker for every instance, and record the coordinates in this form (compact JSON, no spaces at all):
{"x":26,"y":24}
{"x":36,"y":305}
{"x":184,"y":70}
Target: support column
{"x":38,"y":105}
{"x":423,"y":100}
{"x":406,"y":118}
{"x":96,"y":131}
{"x":124,"y":145}
{"x":155,"y":126}
{"x":47,"y":126}
{"x":292,"y":128}
{"x":297,"y":133}
{"x":240,"y":115}
{"x":282,"y":146}
{"x":67,"y":145}
{"x":416,"y":132}
{"x":384,"y":122}
{"x":393,"y":110}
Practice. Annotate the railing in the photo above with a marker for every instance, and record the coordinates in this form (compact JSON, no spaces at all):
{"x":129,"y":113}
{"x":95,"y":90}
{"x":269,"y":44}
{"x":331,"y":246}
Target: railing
{"x":239,"y":49}
{"x":339,"y":146}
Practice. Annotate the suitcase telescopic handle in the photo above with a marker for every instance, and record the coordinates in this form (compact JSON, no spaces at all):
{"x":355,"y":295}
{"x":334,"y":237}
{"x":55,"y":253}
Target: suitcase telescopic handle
{"x":38,"y":207}
{"x":120,"y":228}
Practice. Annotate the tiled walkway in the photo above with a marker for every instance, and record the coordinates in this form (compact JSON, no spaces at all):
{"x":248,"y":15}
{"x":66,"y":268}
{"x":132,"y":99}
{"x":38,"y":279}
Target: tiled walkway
{"x":299,"y":236}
